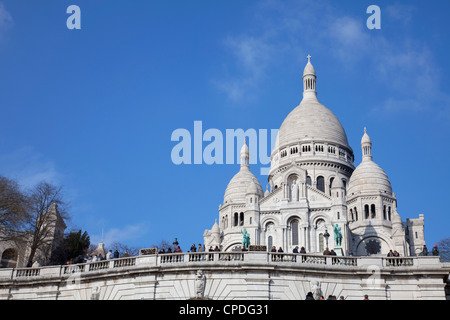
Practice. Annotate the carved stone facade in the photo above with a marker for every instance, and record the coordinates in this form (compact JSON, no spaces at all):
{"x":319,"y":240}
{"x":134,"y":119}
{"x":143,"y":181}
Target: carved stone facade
{"x":314,"y":186}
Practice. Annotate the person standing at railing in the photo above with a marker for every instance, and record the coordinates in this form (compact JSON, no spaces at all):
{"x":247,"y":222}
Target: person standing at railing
{"x":200,"y":249}
{"x":424,"y":250}
{"x":397,"y":255}
{"x":109,"y":255}
{"x":435,"y":251}
{"x":280,"y":256}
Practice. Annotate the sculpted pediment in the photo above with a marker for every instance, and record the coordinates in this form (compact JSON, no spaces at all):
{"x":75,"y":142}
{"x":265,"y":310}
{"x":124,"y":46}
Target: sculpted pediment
{"x":314,"y":195}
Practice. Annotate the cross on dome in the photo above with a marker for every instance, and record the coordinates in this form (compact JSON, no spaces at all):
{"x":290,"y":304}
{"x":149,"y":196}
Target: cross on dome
{"x":309,"y":58}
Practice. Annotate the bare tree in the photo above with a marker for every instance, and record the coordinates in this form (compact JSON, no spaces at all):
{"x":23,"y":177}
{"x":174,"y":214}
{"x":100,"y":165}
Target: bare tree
{"x":47,"y":211}
{"x":164,"y":244}
{"x":122,"y":248}
{"x":444,"y":249}
{"x":13,"y":210}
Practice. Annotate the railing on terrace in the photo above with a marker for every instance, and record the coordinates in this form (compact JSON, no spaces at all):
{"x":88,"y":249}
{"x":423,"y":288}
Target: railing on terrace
{"x":398,"y":262}
{"x":214,"y":258}
{"x":27,"y":272}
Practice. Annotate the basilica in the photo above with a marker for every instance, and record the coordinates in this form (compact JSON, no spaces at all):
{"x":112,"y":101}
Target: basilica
{"x":315,"y":198}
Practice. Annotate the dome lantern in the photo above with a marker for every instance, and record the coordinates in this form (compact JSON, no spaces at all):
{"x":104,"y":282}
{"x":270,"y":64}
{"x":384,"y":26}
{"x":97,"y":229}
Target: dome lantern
{"x":309,"y":80}
{"x":245,"y":155}
{"x":366,"y":146}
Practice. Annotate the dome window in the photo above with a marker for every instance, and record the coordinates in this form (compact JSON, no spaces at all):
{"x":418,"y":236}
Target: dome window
{"x":372,"y":211}
{"x":366,"y":211}
{"x":320,"y":183}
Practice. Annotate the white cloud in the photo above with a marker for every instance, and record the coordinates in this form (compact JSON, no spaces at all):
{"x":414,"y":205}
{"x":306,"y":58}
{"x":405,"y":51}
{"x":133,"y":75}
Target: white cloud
{"x":29,"y":167}
{"x":252,"y":57}
{"x":401,"y":64}
{"x":6,"y":19}
{"x":122,"y":235}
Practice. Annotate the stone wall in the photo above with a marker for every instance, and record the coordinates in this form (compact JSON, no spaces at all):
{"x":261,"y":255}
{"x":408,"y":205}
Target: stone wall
{"x":239,"y":275}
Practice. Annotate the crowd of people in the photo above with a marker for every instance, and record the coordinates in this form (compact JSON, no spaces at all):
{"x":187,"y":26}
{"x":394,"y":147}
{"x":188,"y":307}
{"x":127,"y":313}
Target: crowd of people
{"x":201,"y":248}
{"x":97,"y":257}
{"x":310,"y":296}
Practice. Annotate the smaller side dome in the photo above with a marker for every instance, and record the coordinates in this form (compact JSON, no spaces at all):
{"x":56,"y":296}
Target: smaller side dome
{"x":368,"y":177}
{"x":215,"y":228}
{"x":239,"y":185}
{"x":252,"y":188}
{"x":337,"y":182}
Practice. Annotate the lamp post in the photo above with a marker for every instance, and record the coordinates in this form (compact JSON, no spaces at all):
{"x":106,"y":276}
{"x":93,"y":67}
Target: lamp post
{"x":326,"y":235}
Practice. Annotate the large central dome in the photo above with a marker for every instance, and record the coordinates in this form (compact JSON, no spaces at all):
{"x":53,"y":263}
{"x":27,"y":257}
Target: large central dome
{"x":312,"y":137}
{"x":311,"y":121}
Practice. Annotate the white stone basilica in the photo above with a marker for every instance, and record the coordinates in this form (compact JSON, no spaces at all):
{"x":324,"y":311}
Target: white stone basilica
{"x":315,"y":191}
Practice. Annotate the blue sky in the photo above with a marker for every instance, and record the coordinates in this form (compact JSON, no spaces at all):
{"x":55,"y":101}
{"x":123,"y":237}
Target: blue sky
{"x":94,"y":109}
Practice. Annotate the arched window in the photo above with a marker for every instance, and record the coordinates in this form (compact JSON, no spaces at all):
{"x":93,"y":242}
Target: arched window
{"x":384,"y":212}
{"x":236,"y":219}
{"x":269,"y":243}
{"x":308,"y":180}
{"x":320,"y":227}
{"x":356,"y":214}
{"x":372,"y":211}
{"x":351,"y":214}
{"x":389,"y":213}
{"x":241,"y":219}
{"x":9,"y":258}
{"x":320,"y":183}
{"x":294,"y":228}
{"x":366,"y":211}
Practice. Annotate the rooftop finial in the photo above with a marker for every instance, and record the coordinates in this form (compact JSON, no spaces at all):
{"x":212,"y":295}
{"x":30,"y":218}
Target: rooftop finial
{"x":245,"y":154}
{"x":366,"y":145}
{"x":309,"y":80}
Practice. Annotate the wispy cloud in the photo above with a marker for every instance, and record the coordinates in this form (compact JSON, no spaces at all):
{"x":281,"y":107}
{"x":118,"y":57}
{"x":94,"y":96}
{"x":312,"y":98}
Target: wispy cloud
{"x":406,"y":69}
{"x":252,"y":56}
{"x":6,"y":20}
{"x":121,"y":235}
{"x":29,"y":167}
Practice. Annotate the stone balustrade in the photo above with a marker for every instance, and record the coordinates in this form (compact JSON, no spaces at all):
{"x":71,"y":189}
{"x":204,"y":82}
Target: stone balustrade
{"x":269,"y":258}
{"x":230,"y":275}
